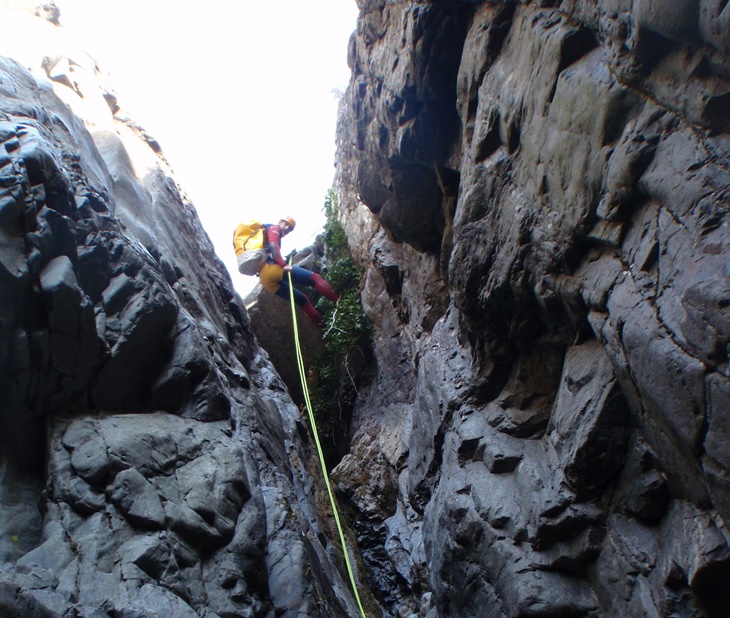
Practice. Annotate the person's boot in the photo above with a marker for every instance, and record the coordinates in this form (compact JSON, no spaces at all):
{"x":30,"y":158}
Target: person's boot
{"x":313,"y":314}
{"x":324,"y":288}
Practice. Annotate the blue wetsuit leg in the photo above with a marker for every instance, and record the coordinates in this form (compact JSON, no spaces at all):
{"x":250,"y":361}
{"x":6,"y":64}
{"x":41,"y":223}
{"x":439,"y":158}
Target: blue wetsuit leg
{"x":283,"y":291}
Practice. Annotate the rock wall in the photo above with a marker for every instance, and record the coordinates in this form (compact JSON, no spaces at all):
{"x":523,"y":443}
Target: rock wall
{"x":151,"y":461}
{"x":540,"y":192}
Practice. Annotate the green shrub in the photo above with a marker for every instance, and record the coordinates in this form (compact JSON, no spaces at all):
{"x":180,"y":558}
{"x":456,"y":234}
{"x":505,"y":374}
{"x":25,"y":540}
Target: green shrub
{"x":335,"y":373}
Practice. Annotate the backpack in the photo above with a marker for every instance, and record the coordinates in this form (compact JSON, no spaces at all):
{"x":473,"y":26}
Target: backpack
{"x":248,"y":243}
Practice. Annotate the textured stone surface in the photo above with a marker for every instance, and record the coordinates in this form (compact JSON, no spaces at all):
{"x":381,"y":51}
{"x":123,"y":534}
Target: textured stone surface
{"x":550,"y":413}
{"x":151,"y":461}
{"x":539,"y":193}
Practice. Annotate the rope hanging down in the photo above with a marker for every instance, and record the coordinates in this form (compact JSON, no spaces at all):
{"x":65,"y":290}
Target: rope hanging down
{"x":305,"y":390}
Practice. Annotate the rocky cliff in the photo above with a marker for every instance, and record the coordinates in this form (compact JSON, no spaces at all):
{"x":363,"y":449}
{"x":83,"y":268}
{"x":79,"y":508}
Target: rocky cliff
{"x":539,"y":191}
{"x":152,"y":463}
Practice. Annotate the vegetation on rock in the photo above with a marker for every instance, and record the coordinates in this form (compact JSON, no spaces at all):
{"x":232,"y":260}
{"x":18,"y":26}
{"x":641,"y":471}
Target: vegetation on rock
{"x":334,"y":375}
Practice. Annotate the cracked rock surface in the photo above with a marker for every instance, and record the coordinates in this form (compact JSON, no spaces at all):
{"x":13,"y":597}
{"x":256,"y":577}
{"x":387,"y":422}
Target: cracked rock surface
{"x":151,"y":461}
{"x":540,"y":192}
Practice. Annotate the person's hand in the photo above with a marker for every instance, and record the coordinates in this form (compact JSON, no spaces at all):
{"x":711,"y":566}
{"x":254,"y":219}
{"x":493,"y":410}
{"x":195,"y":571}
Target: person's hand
{"x":287,"y":268}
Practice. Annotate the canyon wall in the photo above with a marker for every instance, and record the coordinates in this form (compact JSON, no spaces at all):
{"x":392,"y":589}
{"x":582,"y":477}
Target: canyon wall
{"x":152,"y":462}
{"x":539,"y":192}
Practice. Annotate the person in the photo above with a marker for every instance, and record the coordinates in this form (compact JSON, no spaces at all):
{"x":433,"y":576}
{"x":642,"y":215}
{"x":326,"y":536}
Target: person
{"x":274,"y":274}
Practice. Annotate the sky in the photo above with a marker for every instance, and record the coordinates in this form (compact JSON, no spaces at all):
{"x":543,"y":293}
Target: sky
{"x":242,"y":98}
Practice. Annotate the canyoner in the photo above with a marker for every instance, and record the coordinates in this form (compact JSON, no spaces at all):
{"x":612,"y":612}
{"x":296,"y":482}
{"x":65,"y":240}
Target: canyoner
{"x":258,"y":251}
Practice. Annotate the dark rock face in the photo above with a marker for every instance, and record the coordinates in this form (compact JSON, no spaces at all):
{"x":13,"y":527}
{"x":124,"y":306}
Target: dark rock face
{"x":546,"y":232}
{"x":544,"y":222}
{"x":151,"y":461}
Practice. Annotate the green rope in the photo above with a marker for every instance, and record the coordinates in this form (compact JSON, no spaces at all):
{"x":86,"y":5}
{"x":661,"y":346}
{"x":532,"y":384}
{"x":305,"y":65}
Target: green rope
{"x":303,"y":378}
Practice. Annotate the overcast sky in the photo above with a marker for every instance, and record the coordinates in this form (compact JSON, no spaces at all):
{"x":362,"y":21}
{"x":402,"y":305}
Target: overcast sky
{"x":241,"y":97}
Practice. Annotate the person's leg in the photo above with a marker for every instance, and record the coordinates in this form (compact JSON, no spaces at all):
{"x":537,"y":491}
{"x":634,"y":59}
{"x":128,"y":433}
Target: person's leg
{"x":272,"y":279}
{"x":302,"y":276}
{"x":302,"y":300}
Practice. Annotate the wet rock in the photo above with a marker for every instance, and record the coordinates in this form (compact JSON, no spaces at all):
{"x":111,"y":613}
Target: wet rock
{"x":137,"y":499}
{"x":17,"y":602}
{"x":590,"y":421}
{"x":538,"y":193}
{"x":73,"y":341}
{"x":135,"y":318}
{"x":583,"y":259}
{"x":678,"y":20}
{"x":144,"y":428}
